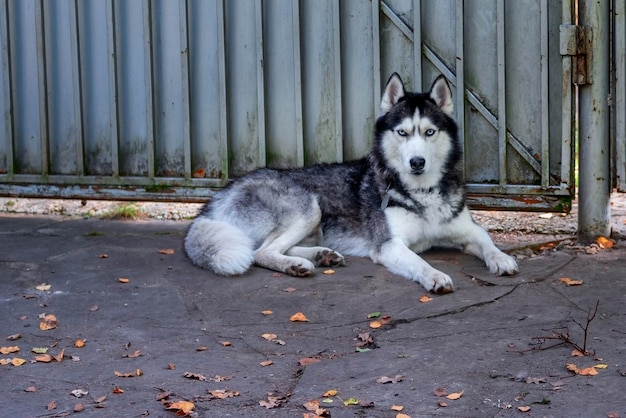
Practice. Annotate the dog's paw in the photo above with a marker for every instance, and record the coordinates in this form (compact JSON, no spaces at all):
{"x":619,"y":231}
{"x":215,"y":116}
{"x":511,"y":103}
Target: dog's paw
{"x":329,"y":258}
{"x":438,"y":282}
{"x":501,"y":264}
{"x":304,"y":269}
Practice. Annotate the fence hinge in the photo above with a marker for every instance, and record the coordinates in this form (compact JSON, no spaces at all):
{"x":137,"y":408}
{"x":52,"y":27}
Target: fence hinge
{"x":575,"y":41}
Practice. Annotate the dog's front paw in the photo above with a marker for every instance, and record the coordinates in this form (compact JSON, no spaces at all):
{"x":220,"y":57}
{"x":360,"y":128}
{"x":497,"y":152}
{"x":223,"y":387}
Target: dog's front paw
{"x":437,"y":282}
{"x":329,"y":258}
{"x":501,"y":264}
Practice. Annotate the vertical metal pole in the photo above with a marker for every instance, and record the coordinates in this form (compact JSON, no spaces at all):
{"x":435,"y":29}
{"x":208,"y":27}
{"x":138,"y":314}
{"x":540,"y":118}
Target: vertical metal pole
{"x":594,"y":183}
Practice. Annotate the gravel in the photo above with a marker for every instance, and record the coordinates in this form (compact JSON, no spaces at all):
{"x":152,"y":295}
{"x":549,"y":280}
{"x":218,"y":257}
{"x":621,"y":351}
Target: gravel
{"x":507,"y":228}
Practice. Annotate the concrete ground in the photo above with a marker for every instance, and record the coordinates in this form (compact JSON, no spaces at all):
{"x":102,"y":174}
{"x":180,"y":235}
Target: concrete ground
{"x":173,"y":332}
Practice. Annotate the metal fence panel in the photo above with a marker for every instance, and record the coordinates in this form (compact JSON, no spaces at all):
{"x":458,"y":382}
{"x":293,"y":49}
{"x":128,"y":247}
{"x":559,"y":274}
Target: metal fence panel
{"x":167,"y":99}
{"x":619,"y":109}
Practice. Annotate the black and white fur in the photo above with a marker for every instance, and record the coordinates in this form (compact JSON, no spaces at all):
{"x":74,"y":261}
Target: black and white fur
{"x":402,"y":199}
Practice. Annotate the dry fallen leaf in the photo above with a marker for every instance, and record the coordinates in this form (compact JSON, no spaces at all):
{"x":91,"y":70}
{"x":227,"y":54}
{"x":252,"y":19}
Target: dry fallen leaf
{"x":523,"y":408}
{"x":225,"y":343}
{"x":329,"y":272}
{"x":397,"y":408}
{"x":269,"y":336}
{"x":103,"y":256}
{"x":16,"y":361}
{"x":266,"y":363}
{"x":600,"y":366}
{"x":442,"y":403}
{"x":167,"y":251}
{"x":314,"y":406}
{"x":298,"y":317}
{"x":31,"y":389}
{"x":272,"y":401}
{"x":123,"y":280}
{"x":402,"y":416}
{"x":137,"y":372}
{"x":190,"y":375}
{"x":79,"y":343}
{"x":455,"y":395}
{"x":52,"y":405}
{"x":385,"y":379}
{"x":134,"y":354}
{"x":43,"y":287}
{"x":376,"y":324}
{"x":306,"y":361}
{"x":49,"y":322}
{"x":14,"y":337}
{"x":267,"y":312}
{"x":202,"y":348}
{"x":9,"y":350}
{"x":330,"y":392}
{"x":440,"y":392}
{"x":589,"y":371}
{"x":570,"y":282}
{"x":223,"y":393}
{"x":218,"y":378}
{"x":43,"y":358}
{"x":118,"y":390}
{"x":79,"y":407}
{"x":577,"y":353}
{"x":183,"y":408}
{"x":604,"y":242}
{"x":425,"y":298}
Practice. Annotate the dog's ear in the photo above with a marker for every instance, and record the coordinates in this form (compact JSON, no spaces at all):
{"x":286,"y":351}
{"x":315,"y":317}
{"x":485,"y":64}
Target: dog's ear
{"x":394,"y":90}
{"x":441,"y":94}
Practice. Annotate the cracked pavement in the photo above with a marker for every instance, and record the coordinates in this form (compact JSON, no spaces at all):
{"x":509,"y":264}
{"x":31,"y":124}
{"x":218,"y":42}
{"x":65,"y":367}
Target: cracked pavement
{"x":482,"y":339}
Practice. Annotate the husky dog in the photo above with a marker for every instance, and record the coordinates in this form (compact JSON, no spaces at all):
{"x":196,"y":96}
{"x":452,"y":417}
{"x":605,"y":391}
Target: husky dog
{"x":407,"y":195}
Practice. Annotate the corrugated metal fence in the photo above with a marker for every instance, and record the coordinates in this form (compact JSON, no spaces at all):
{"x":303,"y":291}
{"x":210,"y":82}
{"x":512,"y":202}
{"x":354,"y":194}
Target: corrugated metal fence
{"x":165,"y":99}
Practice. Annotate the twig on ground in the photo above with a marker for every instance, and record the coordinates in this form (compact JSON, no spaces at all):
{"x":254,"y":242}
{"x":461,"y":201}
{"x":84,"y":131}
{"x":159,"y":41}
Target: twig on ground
{"x":564,"y":337}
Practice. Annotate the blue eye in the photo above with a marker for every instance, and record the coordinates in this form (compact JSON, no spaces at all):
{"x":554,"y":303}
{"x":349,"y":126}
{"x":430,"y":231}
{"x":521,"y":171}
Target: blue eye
{"x":401,"y":132}
{"x":429,"y":132}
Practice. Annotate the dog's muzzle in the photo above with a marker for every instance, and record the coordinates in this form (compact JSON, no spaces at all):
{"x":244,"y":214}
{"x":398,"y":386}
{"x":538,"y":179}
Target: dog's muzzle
{"x":417,"y":165}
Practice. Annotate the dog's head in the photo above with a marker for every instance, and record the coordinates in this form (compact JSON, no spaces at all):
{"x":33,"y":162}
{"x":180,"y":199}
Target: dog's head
{"x":417,"y":133}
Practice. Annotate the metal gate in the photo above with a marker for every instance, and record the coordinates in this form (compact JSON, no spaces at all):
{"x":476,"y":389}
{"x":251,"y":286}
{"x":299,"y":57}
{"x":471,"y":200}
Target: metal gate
{"x":169,"y":99}
{"x":619,"y":92}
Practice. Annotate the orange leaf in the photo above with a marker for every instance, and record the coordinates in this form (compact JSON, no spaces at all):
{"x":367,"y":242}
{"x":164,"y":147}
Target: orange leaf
{"x":269,"y":337}
{"x":397,"y":408}
{"x":570,"y":282}
{"x":523,"y":408}
{"x":328,"y":272}
{"x":79,"y":343}
{"x":118,"y":390}
{"x":425,"y":298}
{"x":9,"y":350}
{"x":43,"y":358}
{"x":376,"y":324}
{"x":454,"y":396}
{"x":267,"y":312}
{"x":103,"y":256}
{"x":442,"y":403}
{"x":604,"y":242}
{"x":306,"y":361}
{"x":298,"y":317}
{"x":16,"y":361}
{"x":266,"y":363}
{"x":589,"y":371}
{"x":182,"y":407}
{"x":123,"y":280}
{"x":331,"y":392}
{"x":225,"y":343}
{"x":49,"y":322}
{"x":577,"y":353}
{"x":168,"y":251}
{"x":399,"y":415}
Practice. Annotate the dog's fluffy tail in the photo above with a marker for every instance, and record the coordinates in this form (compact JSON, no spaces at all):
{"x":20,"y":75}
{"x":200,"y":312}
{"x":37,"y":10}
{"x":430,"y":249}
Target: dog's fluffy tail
{"x":218,"y":246}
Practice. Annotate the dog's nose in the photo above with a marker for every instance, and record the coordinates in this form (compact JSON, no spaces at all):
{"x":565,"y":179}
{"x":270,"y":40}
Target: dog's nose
{"x":417,"y":164}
